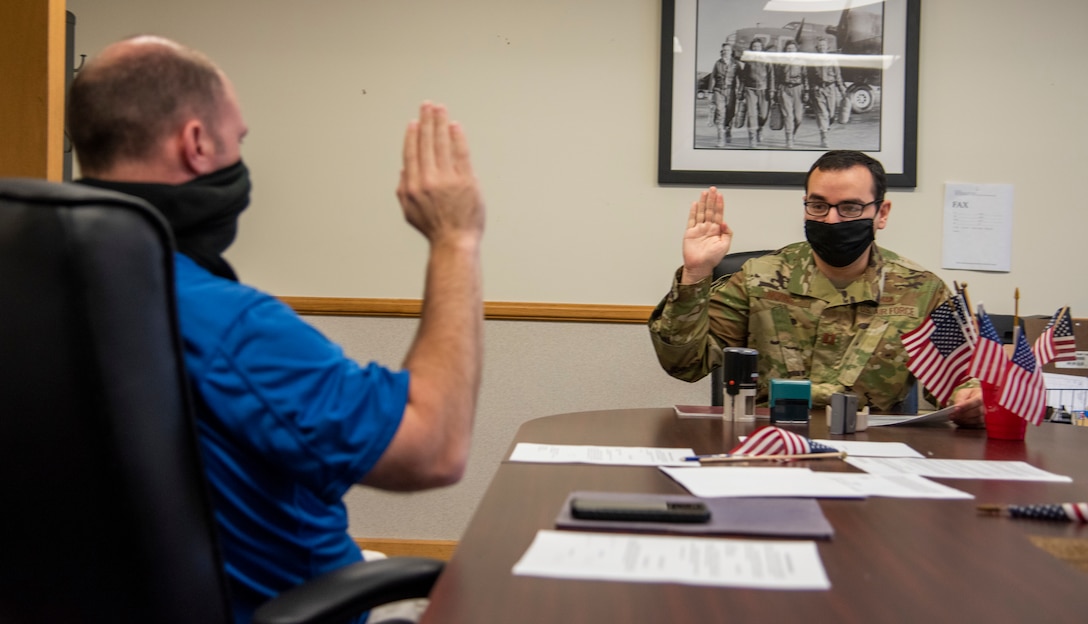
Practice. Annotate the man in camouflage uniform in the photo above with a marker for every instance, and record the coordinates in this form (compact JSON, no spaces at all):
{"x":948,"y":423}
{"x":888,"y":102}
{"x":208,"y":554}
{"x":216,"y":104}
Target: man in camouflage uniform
{"x":825,"y":80}
{"x":723,"y":83}
{"x":831,"y":309}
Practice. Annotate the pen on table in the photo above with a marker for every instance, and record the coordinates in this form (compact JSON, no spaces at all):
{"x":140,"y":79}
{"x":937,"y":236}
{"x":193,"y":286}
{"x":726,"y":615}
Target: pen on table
{"x":702,"y":457}
{"x":727,"y":458}
{"x":1063,"y":512}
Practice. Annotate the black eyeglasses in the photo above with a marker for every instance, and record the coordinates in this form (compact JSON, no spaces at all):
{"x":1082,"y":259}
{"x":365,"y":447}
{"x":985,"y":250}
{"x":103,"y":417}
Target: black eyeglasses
{"x":847,"y":210}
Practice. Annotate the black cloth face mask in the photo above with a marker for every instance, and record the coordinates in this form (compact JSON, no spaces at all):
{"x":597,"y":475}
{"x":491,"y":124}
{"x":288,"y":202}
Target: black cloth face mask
{"x":840,"y":244}
{"x":203,"y":212}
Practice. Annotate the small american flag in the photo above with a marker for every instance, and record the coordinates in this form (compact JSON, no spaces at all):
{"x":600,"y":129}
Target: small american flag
{"x":1057,"y":343}
{"x":963,"y":316}
{"x":1024,"y":393}
{"x":988,"y":362}
{"x":939,"y":351}
{"x":777,"y":441}
{"x":1066,"y":512}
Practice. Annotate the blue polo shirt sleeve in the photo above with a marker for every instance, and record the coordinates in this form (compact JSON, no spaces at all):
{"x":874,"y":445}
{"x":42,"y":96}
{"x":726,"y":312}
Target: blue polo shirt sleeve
{"x":283,"y":390}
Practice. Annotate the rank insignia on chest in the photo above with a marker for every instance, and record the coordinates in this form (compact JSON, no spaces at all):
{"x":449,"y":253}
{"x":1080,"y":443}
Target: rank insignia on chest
{"x":828,"y":339}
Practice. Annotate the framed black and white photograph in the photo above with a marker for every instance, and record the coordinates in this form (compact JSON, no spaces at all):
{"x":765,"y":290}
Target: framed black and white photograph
{"x":753,"y":91}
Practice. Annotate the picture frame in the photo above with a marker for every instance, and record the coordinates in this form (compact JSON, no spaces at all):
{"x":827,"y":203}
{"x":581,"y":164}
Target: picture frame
{"x":874,"y":43}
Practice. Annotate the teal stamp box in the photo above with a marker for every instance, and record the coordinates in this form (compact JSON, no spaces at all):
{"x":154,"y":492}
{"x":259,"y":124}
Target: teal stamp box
{"x":791,"y":400}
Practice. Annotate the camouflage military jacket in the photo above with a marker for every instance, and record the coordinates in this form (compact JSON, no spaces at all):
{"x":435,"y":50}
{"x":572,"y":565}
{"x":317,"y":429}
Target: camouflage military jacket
{"x":803,"y":327}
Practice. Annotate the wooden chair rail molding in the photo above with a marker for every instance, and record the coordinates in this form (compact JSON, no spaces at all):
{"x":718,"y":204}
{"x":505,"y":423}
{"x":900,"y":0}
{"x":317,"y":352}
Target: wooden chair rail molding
{"x":435,"y":549}
{"x":493,"y":310}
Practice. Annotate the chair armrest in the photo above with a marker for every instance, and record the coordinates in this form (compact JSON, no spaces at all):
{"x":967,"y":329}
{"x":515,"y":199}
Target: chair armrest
{"x":351,"y":591}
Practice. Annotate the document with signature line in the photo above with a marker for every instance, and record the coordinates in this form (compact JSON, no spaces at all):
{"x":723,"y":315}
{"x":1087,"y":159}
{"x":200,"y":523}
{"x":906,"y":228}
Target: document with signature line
{"x":754,"y":564}
{"x":614,"y":455}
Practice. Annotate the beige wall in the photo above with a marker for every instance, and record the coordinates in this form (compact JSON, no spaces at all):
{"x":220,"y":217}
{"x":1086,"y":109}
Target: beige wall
{"x":532,"y":369}
{"x":560,"y":103}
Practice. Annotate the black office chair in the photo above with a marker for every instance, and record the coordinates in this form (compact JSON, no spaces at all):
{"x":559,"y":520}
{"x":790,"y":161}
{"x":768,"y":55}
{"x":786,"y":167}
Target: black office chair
{"x":729,"y":265}
{"x":105,"y":515}
{"x":1004,"y":326}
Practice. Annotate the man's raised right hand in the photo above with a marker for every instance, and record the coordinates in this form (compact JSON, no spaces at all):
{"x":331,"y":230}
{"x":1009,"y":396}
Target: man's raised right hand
{"x":708,"y":237}
{"x":438,"y":190}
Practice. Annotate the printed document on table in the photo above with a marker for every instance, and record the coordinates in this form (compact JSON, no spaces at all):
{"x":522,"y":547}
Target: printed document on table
{"x":978,"y":227}
{"x":897,"y":486}
{"x":615,"y":455}
{"x":743,"y":481}
{"x":754,"y":564}
{"x":956,"y":469}
{"x":937,"y":418}
{"x":861,"y":448}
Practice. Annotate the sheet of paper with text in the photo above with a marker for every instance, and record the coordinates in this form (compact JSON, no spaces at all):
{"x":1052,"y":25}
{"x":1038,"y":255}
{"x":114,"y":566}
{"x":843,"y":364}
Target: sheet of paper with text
{"x":977,"y":227}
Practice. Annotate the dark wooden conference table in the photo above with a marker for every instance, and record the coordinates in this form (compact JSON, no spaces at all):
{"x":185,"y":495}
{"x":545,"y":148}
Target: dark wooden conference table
{"x":891,"y":560}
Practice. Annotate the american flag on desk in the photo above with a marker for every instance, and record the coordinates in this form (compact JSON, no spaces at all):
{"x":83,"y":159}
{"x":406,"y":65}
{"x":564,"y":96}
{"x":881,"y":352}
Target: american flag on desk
{"x":777,"y":441}
{"x":1057,"y":343}
{"x":1024,"y":393}
{"x":940,"y":350}
{"x":988,"y":362}
{"x":1068,"y":512}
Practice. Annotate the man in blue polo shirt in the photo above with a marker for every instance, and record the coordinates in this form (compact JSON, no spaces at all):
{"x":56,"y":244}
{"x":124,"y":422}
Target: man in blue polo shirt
{"x":288,"y":423}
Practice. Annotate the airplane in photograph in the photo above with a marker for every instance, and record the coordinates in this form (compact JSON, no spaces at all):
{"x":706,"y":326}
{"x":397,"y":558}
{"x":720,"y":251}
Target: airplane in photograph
{"x":857,"y":32}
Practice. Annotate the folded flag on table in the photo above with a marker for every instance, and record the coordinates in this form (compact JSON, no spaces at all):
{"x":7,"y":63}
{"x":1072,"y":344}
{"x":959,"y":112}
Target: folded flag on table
{"x":1057,"y":343}
{"x":1064,"y":512}
{"x":1024,"y":393}
{"x":988,"y":361}
{"x":939,"y":351}
{"x":777,"y":441}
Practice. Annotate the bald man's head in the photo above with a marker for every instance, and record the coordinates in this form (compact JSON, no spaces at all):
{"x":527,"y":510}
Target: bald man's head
{"x":135,"y":93}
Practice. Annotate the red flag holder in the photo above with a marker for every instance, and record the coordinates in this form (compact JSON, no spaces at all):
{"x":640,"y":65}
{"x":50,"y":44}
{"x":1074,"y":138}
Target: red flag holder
{"x":1000,"y":422}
